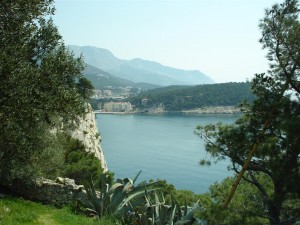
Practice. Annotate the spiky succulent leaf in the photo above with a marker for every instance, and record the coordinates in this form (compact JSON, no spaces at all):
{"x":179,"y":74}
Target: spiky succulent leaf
{"x":172,"y":215}
{"x":92,"y":196}
{"x":182,"y":222}
{"x":190,"y":214}
{"x":136,"y":177}
{"x":174,"y":201}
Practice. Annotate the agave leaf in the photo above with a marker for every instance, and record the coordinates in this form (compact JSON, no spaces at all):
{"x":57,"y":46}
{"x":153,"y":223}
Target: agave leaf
{"x":136,"y":177}
{"x":128,"y":185}
{"x":185,"y":208}
{"x":157,"y":208}
{"x":116,"y":198}
{"x":151,"y":221}
{"x":164,"y":213}
{"x":156,"y":198}
{"x":182,"y":222}
{"x":148,"y":202}
{"x":190,"y":214}
{"x":174,"y":201}
{"x":163,"y":198}
{"x":114,"y":187}
{"x":92,"y":195}
{"x":153,"y":215}
{"x":172,"y":215}
{"x":136,"y":193}
{"x":126,"y":199}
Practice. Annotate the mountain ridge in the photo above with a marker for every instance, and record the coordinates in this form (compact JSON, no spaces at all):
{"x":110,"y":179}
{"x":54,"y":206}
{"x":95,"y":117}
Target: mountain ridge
{"x":101,"y":79}
{"x":139,"y":70}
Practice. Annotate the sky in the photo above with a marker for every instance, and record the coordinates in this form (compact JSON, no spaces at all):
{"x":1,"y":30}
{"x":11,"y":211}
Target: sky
{"x":217,"y":37}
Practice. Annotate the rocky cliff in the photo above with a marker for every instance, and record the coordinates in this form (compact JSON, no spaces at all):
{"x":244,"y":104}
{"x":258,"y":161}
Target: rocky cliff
{"x":64,"y":190}
{"x":88,"y":133}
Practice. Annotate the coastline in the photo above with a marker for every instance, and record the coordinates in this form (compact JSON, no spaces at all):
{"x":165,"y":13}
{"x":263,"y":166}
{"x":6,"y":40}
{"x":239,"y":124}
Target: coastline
{"x":204,"y":110}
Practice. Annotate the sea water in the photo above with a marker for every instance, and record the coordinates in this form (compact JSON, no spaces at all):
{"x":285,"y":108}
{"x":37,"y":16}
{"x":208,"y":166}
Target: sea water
{"x":163,"y":146}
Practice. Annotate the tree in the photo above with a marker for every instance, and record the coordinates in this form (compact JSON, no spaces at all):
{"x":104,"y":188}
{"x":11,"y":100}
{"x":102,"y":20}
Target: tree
{"x":38,"y":88}
{"x":245,"y":208}
{"x":266,"y":139}
{"x":85,"y":87}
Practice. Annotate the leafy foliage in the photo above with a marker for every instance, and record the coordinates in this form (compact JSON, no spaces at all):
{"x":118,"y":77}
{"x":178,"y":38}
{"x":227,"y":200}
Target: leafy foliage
{"x":182,"y":196}
{"x":268,"y":130}
{"x":79,"y":164}
{"x":85,"y":87}
{"x":39,"y":84}
{"x":176,"y":98}
{"x":246,"y":206}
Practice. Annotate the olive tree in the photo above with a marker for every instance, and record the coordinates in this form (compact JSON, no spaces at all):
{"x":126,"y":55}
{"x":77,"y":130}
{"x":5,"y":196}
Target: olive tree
{"x":38,"y":88}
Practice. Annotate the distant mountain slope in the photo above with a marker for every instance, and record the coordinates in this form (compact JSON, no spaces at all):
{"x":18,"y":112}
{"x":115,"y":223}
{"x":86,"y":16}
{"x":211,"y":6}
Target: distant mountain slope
{"x":139,"y":70}
{"x":101,"y":79}
{"x":176,"y":98}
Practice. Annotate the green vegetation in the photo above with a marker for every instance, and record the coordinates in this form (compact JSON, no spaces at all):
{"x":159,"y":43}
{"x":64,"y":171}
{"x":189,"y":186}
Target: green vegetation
{"x":265,"y":142}
{"x":246,"y":206}
{"x":79,"y":165}
{"x":85,"y":87}
{"x":182,"y":196}
{"x":40,"y":87}
{"x":137,"y":204}
{"x":17,"y":211}
{"x":176,"y":98}
{"x":116,"y":198}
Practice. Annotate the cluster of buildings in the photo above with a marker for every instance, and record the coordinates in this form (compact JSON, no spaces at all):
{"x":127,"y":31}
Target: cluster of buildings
{"x":115,"y":92}
{"x":117,"y":107}
{"x":112,"y":99}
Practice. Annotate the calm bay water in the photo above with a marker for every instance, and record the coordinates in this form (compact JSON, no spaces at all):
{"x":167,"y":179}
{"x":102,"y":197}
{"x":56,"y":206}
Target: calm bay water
{"x":162,"y":146}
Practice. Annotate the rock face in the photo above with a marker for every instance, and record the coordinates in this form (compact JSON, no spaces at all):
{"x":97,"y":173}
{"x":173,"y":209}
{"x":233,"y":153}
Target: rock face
{"x":64,"y":190}
{"x":87,"y":132}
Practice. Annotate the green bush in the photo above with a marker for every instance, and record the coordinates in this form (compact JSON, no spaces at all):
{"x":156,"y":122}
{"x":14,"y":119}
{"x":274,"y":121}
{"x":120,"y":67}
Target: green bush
{"x":181,"y":196}
{"x":79,"y":164}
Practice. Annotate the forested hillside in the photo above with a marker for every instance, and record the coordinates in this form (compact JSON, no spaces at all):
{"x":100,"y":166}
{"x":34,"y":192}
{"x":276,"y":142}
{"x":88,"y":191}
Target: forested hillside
{"x":175,"y":98}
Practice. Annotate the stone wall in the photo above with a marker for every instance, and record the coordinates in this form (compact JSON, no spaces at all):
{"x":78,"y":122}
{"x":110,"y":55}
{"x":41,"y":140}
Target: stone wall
{"x":59,"y":192}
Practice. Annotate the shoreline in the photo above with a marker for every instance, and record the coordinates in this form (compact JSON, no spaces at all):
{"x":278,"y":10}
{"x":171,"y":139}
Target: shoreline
{"x":204,"y":110}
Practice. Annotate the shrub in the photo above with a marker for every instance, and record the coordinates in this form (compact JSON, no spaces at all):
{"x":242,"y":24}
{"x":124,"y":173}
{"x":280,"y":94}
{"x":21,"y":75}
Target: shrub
{"x":79,"y":164}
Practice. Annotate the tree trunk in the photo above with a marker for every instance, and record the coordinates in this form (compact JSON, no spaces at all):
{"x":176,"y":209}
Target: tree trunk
{"x":276,"y":205}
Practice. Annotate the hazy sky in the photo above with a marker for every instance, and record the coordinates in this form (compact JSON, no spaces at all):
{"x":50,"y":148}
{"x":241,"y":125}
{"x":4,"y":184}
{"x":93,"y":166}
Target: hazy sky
{"x":217,"y":37}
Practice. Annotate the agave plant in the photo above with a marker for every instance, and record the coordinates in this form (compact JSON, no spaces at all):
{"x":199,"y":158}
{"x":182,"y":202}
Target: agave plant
{"x":135,"y":205}
{"x":158,"y":213}
{"x":119,"y":198}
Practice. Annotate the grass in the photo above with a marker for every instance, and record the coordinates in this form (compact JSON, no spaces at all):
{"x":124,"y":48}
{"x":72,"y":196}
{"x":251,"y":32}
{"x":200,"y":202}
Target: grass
{"x":17,"y":211}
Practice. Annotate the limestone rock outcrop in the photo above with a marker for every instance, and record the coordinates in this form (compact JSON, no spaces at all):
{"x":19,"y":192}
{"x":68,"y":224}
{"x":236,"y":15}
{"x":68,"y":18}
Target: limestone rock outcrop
{"x":87,"y":132}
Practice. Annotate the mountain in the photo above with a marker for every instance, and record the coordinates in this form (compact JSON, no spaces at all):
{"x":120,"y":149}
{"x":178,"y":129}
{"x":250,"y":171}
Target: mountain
{"x":139,"y":70}
{"x":101,"y":79}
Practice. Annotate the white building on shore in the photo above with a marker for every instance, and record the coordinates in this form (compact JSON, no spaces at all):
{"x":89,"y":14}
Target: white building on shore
{"x":117,"y":107}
